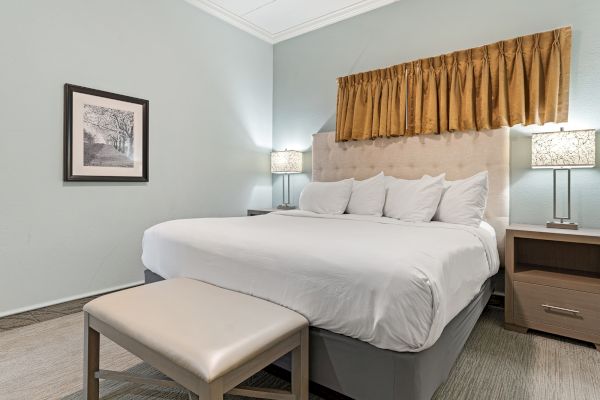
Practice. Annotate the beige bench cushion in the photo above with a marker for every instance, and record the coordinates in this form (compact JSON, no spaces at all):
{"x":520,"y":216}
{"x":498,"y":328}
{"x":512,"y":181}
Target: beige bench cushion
{"x":205,"y":329}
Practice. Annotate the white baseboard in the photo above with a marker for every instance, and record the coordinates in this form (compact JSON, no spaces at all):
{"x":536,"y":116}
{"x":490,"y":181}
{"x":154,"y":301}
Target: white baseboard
{"x":66,"y":299}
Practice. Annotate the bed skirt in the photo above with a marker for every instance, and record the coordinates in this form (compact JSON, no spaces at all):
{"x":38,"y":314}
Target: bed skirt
{"x":364,"y":372}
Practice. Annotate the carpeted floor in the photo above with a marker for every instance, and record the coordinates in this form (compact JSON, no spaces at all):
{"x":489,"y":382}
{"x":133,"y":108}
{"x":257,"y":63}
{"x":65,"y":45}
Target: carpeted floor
{"x":44,"y":360}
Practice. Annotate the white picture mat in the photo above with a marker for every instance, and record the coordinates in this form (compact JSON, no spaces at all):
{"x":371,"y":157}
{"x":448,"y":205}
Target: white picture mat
{"x":79,"y":100}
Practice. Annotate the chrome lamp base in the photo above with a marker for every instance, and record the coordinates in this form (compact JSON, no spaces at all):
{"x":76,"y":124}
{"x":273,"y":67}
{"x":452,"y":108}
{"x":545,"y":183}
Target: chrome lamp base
{"x":562,"y":225}
{"x":563,"y":220}
{"x":286,"y":207}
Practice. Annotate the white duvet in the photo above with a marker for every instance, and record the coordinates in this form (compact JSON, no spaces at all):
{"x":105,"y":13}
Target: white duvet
{"x":389,"y":283}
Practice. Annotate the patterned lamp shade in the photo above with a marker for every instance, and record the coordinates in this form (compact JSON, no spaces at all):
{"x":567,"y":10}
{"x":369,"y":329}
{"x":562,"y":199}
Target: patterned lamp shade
{"x":564,"y":149}
{"x":286,"y":162}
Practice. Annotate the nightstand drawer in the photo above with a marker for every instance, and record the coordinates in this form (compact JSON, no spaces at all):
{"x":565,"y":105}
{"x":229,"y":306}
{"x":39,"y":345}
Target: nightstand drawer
{"x":556,"y":307}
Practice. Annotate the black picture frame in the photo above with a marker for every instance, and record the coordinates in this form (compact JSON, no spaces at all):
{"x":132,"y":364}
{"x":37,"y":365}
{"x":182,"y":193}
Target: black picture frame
{"x":68,"y":175}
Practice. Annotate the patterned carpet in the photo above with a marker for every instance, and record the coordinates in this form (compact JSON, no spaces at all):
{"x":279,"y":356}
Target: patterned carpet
{"x":115,"y":390}
{"x":43,"y":361}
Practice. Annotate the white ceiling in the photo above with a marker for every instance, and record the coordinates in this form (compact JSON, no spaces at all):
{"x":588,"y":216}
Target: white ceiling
{"x":277,"y":20}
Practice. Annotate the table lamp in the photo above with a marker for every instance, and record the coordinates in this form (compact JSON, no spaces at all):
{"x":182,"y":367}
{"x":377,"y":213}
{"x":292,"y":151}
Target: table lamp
{"x":286,"y":162}
{"x":563,"y":151}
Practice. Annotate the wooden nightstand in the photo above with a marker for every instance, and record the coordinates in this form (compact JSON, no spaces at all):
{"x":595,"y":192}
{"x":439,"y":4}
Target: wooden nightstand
{"x":260,"y":211}
{"x":553,"y":281}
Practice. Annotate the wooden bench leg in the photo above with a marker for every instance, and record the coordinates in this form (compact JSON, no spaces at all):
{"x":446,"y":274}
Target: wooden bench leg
{"x":212,"y":391}
{"x":300,"y":368}
{"x":91,"y":361}
{"x":216,"y":396}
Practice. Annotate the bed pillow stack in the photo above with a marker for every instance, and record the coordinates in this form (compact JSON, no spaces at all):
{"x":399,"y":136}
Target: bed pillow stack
{"x":414,"y":200}
{"x":326,"y":197}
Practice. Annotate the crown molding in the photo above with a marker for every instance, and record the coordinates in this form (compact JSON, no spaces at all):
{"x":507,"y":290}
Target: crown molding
{"x":305,"y":27}
{"x":329,"y":19}
{"x":232,"y":19}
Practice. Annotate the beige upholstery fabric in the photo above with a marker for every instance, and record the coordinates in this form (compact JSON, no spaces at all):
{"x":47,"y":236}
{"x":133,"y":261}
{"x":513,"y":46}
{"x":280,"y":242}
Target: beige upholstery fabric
{"x":203,"y":328}
{"x":459,"y":155}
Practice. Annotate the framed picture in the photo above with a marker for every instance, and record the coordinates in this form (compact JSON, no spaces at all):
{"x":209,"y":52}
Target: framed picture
{"x":106,"y":136}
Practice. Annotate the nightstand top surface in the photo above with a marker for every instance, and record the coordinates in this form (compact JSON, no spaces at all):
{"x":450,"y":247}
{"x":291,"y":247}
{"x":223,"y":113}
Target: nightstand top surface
{"x":543,"y":229}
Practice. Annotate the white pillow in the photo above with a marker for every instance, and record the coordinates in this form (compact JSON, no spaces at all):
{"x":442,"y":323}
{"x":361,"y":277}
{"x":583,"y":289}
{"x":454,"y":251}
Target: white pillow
{"x":368,"y":196}
{"x":413,"y":200}
{"x":326,"y":197}
{"x":463,"y":201}
{"x":389,"y":180}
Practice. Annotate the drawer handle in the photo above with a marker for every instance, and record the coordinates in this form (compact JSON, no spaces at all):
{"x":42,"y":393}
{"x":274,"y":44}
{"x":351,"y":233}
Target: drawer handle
{"x":554,"y":308}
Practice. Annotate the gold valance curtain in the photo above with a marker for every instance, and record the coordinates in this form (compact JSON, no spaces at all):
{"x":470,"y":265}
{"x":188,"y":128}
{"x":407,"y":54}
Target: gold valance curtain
{"x":519,"y":81}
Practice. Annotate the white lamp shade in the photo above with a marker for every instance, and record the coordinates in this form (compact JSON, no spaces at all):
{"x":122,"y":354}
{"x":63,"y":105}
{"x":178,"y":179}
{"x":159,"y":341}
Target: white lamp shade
{"x":564,"y":149}
{"x":286,"y":162}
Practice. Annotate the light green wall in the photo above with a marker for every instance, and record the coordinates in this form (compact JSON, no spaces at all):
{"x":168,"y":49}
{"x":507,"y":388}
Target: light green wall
{"x":305,"y":69}
{"x":210,"y":91}
{"x":215,"y":95}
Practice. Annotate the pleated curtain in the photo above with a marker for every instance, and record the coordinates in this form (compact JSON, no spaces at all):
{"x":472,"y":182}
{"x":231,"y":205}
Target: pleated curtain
{"x":518,"y":81}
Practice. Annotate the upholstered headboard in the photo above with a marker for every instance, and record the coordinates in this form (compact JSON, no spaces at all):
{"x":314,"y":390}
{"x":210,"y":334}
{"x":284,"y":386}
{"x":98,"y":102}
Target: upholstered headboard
{"x":458,"y":154}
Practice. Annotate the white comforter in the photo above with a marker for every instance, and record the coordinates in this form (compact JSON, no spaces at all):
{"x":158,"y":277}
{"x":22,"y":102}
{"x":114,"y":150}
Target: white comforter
{"x":389,"y":283}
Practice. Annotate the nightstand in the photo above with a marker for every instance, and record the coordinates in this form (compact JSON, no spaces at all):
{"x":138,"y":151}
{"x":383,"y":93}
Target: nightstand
{"x":260,"y":211}
{"x":553,"y":281}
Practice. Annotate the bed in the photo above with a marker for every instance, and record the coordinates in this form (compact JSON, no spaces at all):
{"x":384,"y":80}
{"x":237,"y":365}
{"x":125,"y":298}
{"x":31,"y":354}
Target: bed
{"x":391,"y":303}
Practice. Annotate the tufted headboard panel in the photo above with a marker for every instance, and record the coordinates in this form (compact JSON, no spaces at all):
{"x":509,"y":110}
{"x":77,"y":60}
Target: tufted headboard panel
{"x":458,"y":154}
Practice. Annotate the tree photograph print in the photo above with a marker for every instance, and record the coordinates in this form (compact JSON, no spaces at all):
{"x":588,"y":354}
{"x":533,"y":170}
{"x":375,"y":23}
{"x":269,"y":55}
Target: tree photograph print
{"x":106,"y":136}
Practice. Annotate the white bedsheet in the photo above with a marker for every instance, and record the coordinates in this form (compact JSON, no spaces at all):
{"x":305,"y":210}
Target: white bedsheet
{"x":389,"y":283}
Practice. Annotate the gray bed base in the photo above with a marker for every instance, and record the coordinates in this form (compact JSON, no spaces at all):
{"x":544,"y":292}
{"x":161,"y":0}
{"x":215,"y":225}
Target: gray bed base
{"x":364,"y":372}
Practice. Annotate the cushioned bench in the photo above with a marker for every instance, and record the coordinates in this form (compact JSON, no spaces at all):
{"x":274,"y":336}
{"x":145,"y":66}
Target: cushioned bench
{"x":205,"y":339}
